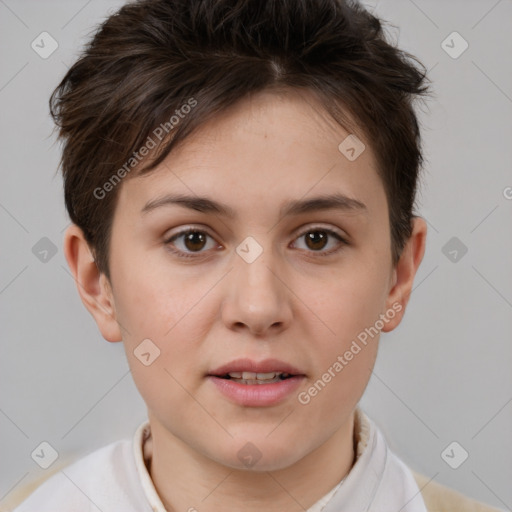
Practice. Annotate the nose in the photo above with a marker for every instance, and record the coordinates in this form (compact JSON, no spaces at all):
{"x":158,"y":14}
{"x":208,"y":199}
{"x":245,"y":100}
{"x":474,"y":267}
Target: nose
{"x":257,"y":296}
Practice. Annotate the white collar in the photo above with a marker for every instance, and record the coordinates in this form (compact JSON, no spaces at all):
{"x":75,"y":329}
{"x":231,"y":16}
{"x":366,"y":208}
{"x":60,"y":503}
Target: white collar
{"x":377,"y":479}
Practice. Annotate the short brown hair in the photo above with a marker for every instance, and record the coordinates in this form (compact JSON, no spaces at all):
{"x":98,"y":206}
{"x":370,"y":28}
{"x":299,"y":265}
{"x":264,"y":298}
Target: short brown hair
{"x":153,"y":56}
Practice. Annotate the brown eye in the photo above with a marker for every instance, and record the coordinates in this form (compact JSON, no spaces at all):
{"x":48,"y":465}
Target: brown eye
{"x":317,"y":239}
{"x":194,"y":240}
{"x":189,"y":243}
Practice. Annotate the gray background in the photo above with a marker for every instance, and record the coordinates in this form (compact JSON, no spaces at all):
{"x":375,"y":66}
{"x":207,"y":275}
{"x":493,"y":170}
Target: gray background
{"x":443,"y":375}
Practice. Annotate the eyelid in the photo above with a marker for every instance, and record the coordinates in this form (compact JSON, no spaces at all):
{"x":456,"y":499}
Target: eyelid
{"x":308,"y":227}
{"x":305,"y":228}
{"x":188,"y":229}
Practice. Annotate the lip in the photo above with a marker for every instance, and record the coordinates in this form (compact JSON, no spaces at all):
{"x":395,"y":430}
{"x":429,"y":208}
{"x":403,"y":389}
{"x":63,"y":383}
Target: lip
{"x":256,"y":395}
{"x":248,"y":365}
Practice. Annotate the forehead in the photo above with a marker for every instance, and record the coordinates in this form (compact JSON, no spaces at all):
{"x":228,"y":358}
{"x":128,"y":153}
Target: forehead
{"x":269,"y":148}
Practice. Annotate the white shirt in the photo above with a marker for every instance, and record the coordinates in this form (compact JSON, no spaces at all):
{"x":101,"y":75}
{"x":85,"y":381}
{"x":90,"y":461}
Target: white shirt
{"x":115,"y":479}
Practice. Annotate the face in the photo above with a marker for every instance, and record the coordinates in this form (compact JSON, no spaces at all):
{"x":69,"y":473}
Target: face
{"x":254,"y":279}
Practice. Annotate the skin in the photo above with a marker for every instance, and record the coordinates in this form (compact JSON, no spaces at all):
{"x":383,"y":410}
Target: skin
{"x":291,"y":303}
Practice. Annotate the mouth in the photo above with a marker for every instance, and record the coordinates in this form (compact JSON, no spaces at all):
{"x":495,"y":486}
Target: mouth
{"x":247,"y":371}
{"x":256,"y":378}
{"x":256,"y":384}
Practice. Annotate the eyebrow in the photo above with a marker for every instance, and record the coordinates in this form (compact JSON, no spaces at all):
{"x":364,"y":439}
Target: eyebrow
{"x":292,"y":207}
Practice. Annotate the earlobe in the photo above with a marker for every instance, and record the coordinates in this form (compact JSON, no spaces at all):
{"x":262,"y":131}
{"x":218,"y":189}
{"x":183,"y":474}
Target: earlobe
{"x":93,"y":287}
{"x":404,"y":273}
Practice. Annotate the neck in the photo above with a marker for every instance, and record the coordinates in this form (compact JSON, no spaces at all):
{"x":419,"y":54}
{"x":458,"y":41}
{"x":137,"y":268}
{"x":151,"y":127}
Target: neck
{"x":187,"y":480}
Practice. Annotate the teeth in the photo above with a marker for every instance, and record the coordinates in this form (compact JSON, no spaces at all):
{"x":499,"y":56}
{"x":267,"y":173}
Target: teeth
{"x":265,"y":376}
{"x":250,"y":376}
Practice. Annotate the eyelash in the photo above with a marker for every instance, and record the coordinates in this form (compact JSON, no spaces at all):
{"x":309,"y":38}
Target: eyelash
{"x":184,"y":255}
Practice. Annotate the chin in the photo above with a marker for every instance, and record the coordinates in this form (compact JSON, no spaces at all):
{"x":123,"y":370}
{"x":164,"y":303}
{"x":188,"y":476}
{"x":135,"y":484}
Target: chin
{"x":260,"y":454}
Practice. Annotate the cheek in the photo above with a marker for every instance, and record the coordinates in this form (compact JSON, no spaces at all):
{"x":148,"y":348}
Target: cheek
{"x":153,"y":300}
{"x":347,"y":341}
{"x":349,"y":302}
{"x":343,"y":361}
{"x":168,"y":316}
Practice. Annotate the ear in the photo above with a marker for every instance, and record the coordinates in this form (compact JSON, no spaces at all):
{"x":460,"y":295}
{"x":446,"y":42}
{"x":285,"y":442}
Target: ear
{"x":93,"y":287}
{"x":404,"y":272}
